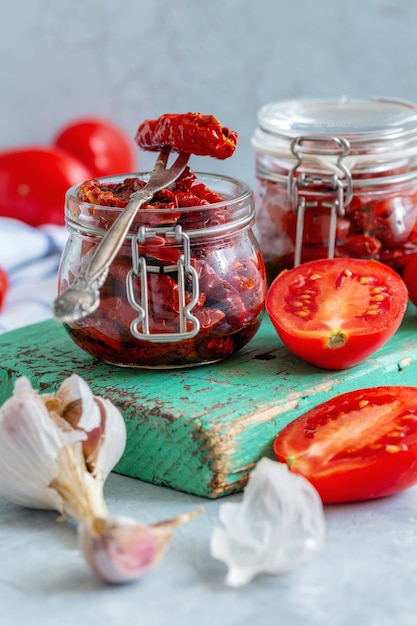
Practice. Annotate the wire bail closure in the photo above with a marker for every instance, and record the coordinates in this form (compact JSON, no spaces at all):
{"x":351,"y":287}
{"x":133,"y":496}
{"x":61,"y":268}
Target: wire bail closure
{"x":341,"y":183}
{"x":187,"y":284}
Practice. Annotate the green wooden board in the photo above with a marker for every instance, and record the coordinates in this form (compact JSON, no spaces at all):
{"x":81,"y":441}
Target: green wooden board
{"x":201,"y":430}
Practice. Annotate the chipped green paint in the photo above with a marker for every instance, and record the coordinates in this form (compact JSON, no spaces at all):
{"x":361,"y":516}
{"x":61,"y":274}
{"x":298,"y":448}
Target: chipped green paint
{"x":201,"y":430}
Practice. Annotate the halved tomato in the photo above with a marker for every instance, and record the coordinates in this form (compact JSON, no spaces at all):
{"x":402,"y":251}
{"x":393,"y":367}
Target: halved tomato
{"x":356,"y":446}
{"x":336,"y":312}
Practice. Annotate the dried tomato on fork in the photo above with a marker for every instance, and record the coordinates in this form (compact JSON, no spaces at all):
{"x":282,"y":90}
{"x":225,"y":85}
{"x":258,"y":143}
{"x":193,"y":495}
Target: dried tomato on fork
{"x":190,"y":288}
{"x":193,"y":133}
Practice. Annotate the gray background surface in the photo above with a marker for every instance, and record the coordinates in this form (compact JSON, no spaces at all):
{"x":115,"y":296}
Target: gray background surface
{"x":131,"y":60}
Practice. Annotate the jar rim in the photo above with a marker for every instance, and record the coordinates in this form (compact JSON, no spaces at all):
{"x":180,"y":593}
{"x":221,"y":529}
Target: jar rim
{"x":239,"y":208}
{"x":246,"y":193}
{"x":356,"y":118}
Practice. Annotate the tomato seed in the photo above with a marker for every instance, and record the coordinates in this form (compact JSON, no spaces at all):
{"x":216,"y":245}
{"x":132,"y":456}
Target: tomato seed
{"x":408,"y":417}
{"x":391,"y":449}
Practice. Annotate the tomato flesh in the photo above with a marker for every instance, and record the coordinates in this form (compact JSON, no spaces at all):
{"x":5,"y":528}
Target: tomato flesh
{"x":336,"y":312}
{"x":357,"y":446}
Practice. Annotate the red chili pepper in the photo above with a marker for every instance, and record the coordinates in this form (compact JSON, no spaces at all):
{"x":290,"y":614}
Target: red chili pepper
{"x":193,"y":133}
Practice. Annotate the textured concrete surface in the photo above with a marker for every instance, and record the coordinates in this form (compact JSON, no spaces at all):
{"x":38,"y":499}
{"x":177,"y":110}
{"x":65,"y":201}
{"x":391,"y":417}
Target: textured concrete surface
{"x":364,"y":574}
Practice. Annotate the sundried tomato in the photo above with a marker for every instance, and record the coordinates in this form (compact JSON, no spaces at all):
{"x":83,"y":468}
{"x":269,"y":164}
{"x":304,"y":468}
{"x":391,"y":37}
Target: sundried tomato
{"x":193,"y":133}
{"x":188,"y":199}
{"x":378,"y":223}
{"x":360,"y":246}
{"x":229,"y":270}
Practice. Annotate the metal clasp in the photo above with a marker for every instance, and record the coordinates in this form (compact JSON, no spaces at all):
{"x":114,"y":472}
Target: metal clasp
{"x":187,"y":278}
{"x":340,"y":182}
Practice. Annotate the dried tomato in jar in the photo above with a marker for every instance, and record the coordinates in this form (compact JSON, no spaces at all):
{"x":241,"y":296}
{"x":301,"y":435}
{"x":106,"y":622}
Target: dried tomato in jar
{"x":188,"y":285}
{"x":337,"y":177}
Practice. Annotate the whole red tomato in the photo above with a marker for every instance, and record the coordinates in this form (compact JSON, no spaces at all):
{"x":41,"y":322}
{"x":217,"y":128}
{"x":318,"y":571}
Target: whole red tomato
{"x":33,"y":183}
{"x":356,"y":446}
{"x":336,"y":312}
{"x":100,"y":145}
{"x":410,"y":277}
{"x":4,"y":286}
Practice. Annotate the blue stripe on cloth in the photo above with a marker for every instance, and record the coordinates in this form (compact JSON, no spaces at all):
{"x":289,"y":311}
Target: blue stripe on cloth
{"x":31,"y":258}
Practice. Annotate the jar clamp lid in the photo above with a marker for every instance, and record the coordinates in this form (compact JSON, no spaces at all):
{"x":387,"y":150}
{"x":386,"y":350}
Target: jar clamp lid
{"x":188,"y":284}
{"x":183,"y":268}
{"x":326,"y":141}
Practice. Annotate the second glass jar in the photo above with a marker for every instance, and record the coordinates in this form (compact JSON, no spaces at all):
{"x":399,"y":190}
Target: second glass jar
{"x":337,"y":177}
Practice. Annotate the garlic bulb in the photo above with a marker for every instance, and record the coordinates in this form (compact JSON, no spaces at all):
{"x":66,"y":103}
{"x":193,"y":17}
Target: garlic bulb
{"x":120,"y":549}
{"x":277,"y":524}
{"x":55,"y":449}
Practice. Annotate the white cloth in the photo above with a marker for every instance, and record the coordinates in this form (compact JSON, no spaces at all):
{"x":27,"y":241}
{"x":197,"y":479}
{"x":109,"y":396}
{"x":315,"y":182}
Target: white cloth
{"x":31,"y":258}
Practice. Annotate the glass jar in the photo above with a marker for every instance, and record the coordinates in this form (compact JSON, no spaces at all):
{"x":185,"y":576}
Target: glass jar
{"x":187,"y":287}
{"x":337,"y":177}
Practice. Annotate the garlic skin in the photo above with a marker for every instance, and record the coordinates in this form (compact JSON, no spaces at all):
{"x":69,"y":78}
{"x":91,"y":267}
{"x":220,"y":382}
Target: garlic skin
{"x":112,"y":440}
{"x":99,"y":419}
{"x":30,"y":444}
{"x":56,"y":451}
{"x":121,"y":550}
{"x":278,"y":523}
{"x":43,"y":441}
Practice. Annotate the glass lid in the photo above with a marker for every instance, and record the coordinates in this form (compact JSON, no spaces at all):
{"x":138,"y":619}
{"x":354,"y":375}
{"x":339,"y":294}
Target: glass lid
{"x":352,"y":117}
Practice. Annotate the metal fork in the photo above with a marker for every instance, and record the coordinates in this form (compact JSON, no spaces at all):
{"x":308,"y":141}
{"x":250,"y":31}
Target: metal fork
{"x":83,"y":297}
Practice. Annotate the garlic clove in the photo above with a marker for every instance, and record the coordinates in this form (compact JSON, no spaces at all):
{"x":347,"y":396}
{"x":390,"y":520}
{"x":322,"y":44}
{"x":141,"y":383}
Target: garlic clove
{"x":105,"y":456}
{"x":99,"y":418}
{"x":77,"y":404}
{"x":42,"y":454}
{"x":277,"y":524}
{"x":121,"y":550}
{"x":30,"y":443}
